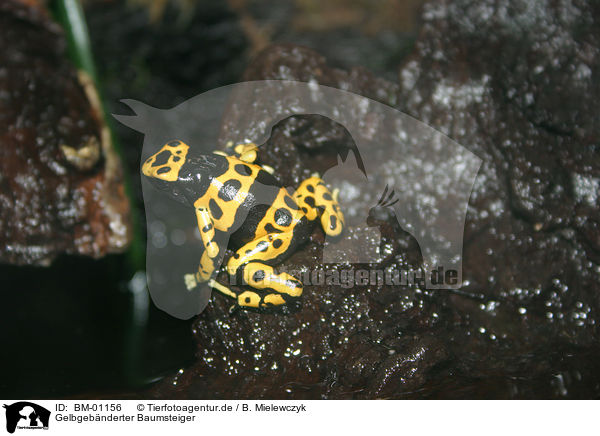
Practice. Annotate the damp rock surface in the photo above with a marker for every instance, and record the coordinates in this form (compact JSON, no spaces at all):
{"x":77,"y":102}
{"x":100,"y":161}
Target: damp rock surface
{"x":61,"y":185}
{"x":513,"y":83}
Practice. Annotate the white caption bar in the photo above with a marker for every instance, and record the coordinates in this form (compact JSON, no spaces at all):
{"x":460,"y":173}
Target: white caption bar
{"x":284,"y":418}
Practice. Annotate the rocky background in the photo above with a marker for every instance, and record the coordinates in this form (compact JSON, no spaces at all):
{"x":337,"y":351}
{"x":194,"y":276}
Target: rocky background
{"x":513,"y":81}
{"x":61,"y":181}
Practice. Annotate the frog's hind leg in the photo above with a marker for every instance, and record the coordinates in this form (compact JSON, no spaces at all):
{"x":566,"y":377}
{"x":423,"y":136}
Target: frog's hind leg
{"x":221,"y":288}
{"x":252,"y":263}
{"x":314,"y":198}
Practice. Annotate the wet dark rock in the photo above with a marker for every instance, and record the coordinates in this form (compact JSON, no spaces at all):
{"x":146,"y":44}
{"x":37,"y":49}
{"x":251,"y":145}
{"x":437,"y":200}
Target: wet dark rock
{"x":60,"y":181}
{"x":512,"y":82}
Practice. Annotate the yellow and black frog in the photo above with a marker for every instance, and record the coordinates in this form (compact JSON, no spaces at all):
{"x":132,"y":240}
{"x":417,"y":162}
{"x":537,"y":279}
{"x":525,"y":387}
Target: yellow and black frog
{"x":233,"y":195}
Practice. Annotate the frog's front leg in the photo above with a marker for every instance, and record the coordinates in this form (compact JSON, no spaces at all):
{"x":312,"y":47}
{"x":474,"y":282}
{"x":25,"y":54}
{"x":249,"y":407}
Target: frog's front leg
{"x":246,"y":152}
{"x":314,"y":198}
{"x":251,"y":263}
{"x":211,"y":249}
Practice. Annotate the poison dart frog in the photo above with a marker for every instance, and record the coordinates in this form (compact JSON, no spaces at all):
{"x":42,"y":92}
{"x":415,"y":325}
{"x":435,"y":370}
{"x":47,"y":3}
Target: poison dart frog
{"x":231,"y":193}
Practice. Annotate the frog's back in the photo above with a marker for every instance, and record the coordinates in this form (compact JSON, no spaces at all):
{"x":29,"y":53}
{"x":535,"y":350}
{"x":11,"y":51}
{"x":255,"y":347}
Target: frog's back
{"x":246,"y":201}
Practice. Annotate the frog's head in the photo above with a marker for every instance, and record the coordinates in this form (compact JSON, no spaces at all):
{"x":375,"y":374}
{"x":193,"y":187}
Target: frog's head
{"x":167,"y":162}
